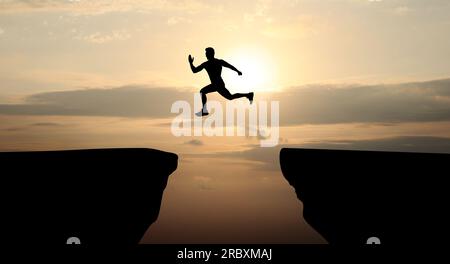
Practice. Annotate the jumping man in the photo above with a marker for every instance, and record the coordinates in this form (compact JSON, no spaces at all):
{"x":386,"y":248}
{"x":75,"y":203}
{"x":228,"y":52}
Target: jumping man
{"x":213,"y":67}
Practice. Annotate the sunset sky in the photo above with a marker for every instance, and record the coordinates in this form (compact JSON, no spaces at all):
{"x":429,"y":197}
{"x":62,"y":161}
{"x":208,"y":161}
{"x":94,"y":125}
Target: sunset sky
{"x":352,"y":74}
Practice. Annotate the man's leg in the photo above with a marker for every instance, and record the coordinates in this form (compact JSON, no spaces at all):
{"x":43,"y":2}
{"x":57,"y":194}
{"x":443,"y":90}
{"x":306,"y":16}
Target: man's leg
{"x":205,"y":90}
{"x":225,"y":93}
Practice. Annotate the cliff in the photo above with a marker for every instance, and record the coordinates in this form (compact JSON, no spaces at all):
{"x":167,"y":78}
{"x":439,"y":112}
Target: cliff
{"x":349,"y":196}
{"x":101,"y":196}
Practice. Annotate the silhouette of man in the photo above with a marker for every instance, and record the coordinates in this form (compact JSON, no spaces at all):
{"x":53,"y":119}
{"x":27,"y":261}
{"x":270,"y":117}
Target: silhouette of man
{"x":213,"y":67}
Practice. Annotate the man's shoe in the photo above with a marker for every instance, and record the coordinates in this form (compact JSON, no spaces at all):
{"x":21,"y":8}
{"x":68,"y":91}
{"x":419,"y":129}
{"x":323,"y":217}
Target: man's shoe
{"x":250,"y":97}
{"x":202,"y":113}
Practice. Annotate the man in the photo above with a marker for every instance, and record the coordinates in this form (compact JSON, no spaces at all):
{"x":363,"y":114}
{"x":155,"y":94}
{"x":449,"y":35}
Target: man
{"x":213,"y":67}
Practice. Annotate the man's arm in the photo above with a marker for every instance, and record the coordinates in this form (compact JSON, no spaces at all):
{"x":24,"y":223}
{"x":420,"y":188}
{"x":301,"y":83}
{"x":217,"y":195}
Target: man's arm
{"x":193,"y":68}
{"x":226,"y":64}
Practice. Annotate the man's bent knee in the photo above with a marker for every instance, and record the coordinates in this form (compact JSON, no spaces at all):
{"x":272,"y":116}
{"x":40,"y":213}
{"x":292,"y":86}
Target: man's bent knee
{"x":204,"y":91}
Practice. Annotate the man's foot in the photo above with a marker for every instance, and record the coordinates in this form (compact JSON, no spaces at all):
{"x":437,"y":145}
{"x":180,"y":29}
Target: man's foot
{"x":202,"y":113}
{"x":250,"y":97}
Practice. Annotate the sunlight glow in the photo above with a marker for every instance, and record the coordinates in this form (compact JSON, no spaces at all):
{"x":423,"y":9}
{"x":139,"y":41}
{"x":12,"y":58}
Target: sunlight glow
{"x":258,"y":73}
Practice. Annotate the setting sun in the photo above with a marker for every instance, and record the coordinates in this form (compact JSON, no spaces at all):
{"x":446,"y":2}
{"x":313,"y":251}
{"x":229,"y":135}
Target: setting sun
{"x":258,"y":72}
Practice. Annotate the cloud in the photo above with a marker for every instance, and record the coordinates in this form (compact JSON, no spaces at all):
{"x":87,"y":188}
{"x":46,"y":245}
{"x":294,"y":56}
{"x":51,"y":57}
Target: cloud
{"x":46,"y":124}
{"x":171,"y":21}
{"x":39,"y":124}
{"x":14,"y":129}
{"x":297,"y":27}
{"x":1,"y":31}
{"x":328,"y":104}
{"x":204,"y":183}
{"x":282,"y":19}
{"x":261,"y":9}
{"x":125,"y":101}
{"x":88,"y":7}
{"x":195,"y":142}
{"x":314,"y":104}
{"x":268,"y":158}
{"x":401,"y":10}
{"x":100,"y":38}
{"x":403,"y":144}
{"x":262,"y":158}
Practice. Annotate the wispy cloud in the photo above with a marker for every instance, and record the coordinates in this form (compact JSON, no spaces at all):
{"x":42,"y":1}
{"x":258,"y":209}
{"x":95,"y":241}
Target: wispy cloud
{"x":34,"y":125}
{"x":14,"y":129}
{"x":100,"y":37}
{"x":88,"y":7}
{"x":405,"y":144}
{"x":260,"y":10}
{"x":46,"y":124}
{"x":171,"y":21}
{"x":401,"y":10}
{"x":268,"y":158}
{"x":204,"y":183}
{"x":194,"y":142}
{"x":296,"y":27}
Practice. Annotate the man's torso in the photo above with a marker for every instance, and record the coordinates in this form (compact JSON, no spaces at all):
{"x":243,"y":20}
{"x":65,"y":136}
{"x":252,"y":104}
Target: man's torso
{"x":214,"y":69}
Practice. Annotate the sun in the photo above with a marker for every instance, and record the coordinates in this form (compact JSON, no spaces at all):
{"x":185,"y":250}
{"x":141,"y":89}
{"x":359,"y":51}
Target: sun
{"x":258,"y":73}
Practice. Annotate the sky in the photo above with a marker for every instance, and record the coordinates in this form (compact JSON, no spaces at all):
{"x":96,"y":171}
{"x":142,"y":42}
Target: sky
{"x":349,"y":74}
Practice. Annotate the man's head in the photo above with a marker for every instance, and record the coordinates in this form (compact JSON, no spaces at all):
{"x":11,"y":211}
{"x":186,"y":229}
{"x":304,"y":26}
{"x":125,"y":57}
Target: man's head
{"x":209,"y":53}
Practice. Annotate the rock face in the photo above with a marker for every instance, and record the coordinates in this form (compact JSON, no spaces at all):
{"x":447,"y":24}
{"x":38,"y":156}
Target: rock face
{"x":102,"y":196}
{"x":349,"y":196}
